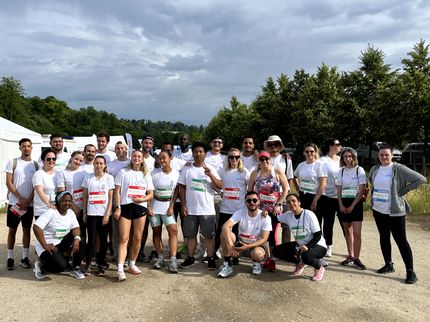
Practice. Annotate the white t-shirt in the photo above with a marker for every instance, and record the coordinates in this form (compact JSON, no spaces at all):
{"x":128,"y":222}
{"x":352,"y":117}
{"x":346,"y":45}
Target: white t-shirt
{"x":49,"y":184}
{"x":149,"y":163}
{"x":55,"y":227}
{"x":109,"y":156}
{"x":309,"y":174}
{"x":217,"y":161}
{"x":332,"y":172}
{"x":116,"y":165}
{"x":22,"y":176}
{"x":278,"y":162}
{"x":381,"y":194}
{"x":98,"y":193}
{"x":187,"y":156}
{"x":235,"y":186}
{"x":349,"y":181}
{"x":87,"y":168}
{"x":302,"y":229}
{"x":199,"y":192}
{"x":164,"y":184}
{"x":133,"y":184}
{"x":250,"y":228}
{"x":250,"y":163}
{"x":177,"y":164}
{"x":72,"y":182}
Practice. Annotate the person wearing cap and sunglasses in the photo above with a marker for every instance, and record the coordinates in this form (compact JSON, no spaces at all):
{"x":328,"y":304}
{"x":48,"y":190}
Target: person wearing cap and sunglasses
{"x":253,"y":233}
{"x":271,"y":184}
{"x":57,"y":235}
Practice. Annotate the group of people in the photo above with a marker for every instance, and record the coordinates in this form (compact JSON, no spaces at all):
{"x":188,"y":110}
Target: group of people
{"x":231,"y":203}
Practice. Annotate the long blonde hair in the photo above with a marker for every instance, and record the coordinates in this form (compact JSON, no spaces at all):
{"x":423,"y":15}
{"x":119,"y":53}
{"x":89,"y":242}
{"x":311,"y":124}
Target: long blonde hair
{"x":142,"y":167}
{"x":240,"y":166}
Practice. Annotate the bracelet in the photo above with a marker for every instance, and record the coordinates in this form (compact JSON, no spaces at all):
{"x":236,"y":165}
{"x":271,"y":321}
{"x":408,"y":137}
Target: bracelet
{"x":77,"y":238}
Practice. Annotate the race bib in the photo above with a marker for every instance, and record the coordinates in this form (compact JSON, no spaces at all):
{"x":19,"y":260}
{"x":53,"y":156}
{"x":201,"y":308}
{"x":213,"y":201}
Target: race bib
{"x":78,"y":195}
{"x":247,"y":239}
{"x":268,"y":198}
{"x":380,"y":195}
{"x":17,"y":211}
{"x":307,"y":185}
{"x":60,"y":233}
{"x":231,"y":193}
{"x":136,"y":192}
{"x":300,"y":233}
{"x":198,"y":185}
{"x":97,"y":197}
{"x":163,"y":193}
{"x":349,"y":191}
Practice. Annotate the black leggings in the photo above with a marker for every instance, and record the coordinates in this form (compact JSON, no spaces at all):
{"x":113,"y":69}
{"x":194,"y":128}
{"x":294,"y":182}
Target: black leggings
{"x":326,"y":213}
{"x":222,"y":219}
{"x":388,"y":225}
{"x":57,"y":262}
{"x":274,"y":233}
{"x":289,"y":253}
{"x":95,"y":226}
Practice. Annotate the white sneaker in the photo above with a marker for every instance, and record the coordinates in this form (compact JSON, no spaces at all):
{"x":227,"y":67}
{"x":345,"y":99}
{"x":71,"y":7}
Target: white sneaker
{"x":256,"y":268}
{"x":121,"y":276}
{"x":173,"y":267}
{"x":225,"y":271}
{"x":76,"y":273}
{"x":38,"y":271}
{"x":159,"y":263}
{"x":329,"y":252}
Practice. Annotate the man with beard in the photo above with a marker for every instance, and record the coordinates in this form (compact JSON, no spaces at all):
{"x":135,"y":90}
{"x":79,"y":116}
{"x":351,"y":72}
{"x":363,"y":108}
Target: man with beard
{"x":249,"y":154}
{"x":89,"y":154}
{"x":147,"y":145}
{"x":185,"y":152}
{"x":19,"y":174}
{"x":57,"y":143}
{"x":102,"y":142}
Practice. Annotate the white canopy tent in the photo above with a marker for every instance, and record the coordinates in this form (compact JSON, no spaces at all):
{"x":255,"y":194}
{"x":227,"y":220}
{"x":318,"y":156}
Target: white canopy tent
{"x":10,"y":134}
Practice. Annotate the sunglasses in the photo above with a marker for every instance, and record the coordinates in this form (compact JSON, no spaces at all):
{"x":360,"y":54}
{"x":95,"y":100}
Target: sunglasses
{"x":253,"y":200}
{"x":51,"y":159}
{"x":264,"y":159}
{"x":236,"y":157}
{"x":271,"y":145}
{"x":309,"y":151}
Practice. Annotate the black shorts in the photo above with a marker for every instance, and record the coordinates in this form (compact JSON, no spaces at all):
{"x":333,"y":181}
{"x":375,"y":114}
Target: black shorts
{"x":132,"y":211}
{"x":357,"y":212}
{"x":13,"y":220}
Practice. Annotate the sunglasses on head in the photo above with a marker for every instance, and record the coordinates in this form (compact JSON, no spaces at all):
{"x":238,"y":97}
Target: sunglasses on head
{"x":236,"y":157}
{"x":252,"y":200}
{"x":51,"y":159}
{"x":264,"y":159}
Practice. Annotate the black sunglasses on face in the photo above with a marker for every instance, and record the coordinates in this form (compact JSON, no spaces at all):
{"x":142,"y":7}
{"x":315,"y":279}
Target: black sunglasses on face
{"x":271,"y":145}
{"x":51,"y":159}
{"x":253,"y":200}
{"x":264,"y":159}
{"x":231,"y":157}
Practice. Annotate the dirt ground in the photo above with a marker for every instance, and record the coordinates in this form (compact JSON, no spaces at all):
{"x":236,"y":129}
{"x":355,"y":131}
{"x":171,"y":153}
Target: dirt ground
{"x":197,"y":294}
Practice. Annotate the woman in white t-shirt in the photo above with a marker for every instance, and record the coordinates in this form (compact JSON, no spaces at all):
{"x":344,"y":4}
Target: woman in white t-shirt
{"x":97,"y":206}
{"x":160,"y":211}
{"x":235,"y":178}
{"x":133,"y":189}
{"x":351,"y":182}
{"x":57,"y":234}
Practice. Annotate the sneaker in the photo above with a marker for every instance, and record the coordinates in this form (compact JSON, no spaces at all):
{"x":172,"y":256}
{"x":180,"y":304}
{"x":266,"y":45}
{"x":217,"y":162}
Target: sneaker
{"x":211,"y":263}
{"x":159,"y":263}
{"x":25,"y":263}
{"x":187,"y":262}
{"x":134,"y":270}
{"x":323,"y":262}
{"x":76,"y":273}
{"x":87,"y":271}
{"x":329,"y":251}
{"x":173,"y":267}
{"x":100,"y":270}
{"x":121,"y":276}
{"x":225,"y":271}
{"x":153,"y":256}
{"x":142,"y":258}
{"x":349,"y":261}
{"x":359,"y":264}
{"x":411,"y":277}
{"x":269,"y":264}
{"x":300,"y":267}
{"x":319,"y":274}
{"x":235,"y":260}
{"x":38,"y":271}
{"x":10,"y":264}
{"x":387,"y":268}
{"x":105,"y":264}
{"x":256,"y":268}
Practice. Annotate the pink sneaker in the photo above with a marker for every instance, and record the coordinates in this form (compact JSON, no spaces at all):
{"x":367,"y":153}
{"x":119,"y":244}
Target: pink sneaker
{"x":134,"y":270}
{"x":269,"y":264}
{"x":319,"y":274}
{"x":300,"y":267}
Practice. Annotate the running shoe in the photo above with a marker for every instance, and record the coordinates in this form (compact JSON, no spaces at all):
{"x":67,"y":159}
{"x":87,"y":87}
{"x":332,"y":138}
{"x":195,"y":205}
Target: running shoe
{"x":300,"y":267}
{"x":153,"y":256}
{"x":359,"y":264}
{"x":349,"y":261}
{"x":105,"y":264}
{"x":159,"y":263}
{"x":188,"y":262}
{"x":411,"y":277}
{"x":134,"y":270}
{"x":319,"y":274}
{"x":269,"y":264}
{"x":10,"y":264}
{"x":256,"y":268}
{"x":173,"y":267}
{"x":225,"y":271}
{"x":76,"y":273}
{"x":25,"y":263}
{"x":87,"y":271}
{"x":211,"y":264}
{"x":38,"y":271}
{"x":387,"y":268}
{"x":329,"y":251}
{"x":100,"y":270}
{"x":121,"y":276}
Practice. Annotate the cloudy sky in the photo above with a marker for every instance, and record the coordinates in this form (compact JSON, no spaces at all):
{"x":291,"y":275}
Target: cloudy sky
{"x":181,"y":60}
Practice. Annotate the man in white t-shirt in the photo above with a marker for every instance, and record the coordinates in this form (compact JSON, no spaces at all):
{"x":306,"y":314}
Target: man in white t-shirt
{"x":89,"y":155}
{"x":254,"y":230}
{"x":185,"y":152}
{"x":147,"y":145}
{"x":57,"y":143}
{"x":197,"y":184}
{"x":102,"y":142}
{"x":19,"y":173}
{"x":249,"y":154}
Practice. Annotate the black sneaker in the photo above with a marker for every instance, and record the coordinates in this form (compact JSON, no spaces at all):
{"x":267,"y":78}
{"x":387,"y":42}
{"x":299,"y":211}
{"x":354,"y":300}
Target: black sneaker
{"x":187,"y":263}
{"x":235,"y":260}
{"x":105,"y":264}
{"x":25,"y":263}
{"x":100,"y":270}
{"x":10,"y":264}
{"x":153,"y":256}
{"x":211,"y":263}
{"x":387,"y":268}
{"x":411,"y":277}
